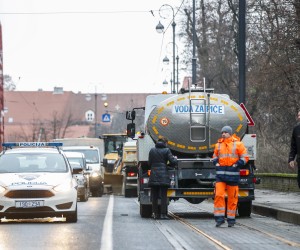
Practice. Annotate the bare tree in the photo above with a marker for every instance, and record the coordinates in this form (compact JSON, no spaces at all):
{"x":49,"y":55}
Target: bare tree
{"x":273,"y":65}
{"x":9,"y":84}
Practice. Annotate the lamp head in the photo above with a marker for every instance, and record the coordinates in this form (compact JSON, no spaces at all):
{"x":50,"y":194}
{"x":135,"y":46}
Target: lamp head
{"x":159,"y":27}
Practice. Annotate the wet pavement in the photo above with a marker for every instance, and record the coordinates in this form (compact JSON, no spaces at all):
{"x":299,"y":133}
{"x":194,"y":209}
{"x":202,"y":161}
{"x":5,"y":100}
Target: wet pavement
{"x":283,"y":206}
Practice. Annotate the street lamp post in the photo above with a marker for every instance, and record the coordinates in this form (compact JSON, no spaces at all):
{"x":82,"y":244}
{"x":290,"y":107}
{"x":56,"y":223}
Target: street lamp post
{"x":177,"y":82}
{"x":194,"y":60}
{"x":173,"y":26}
{"x":88,"y":97}
{"x":175,"y":77}
{"x":160,"y":29}
{"x":95,"y":113}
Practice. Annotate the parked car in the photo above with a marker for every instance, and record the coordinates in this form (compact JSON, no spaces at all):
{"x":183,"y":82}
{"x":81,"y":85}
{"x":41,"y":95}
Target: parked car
{"x":78,"y":163}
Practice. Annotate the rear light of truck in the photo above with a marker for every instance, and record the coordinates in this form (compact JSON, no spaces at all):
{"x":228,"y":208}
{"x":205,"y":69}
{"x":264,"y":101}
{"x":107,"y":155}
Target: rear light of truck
{"x":131,"y":174}
{"x":244,"y":172}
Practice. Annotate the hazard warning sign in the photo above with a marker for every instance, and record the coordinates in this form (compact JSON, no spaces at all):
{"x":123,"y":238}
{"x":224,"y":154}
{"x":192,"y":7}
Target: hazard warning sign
{"x":249,"y":118}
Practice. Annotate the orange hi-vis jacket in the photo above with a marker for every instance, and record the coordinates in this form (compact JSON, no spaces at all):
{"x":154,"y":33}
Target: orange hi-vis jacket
{"x":231,"y":154}
{"x":228,"y":151}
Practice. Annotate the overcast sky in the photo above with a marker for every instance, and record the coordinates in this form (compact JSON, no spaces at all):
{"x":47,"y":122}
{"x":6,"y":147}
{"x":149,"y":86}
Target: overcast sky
{"x":86,"y":45}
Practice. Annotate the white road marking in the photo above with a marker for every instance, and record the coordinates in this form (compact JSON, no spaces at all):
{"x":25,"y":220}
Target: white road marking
{"x":106,"y":238}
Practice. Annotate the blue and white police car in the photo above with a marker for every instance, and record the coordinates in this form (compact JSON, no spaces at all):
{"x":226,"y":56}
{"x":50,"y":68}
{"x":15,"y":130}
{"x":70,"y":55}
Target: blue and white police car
{"x":36,"y":181}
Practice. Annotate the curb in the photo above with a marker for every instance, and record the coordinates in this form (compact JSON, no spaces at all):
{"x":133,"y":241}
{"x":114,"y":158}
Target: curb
{"x":279,"y":214}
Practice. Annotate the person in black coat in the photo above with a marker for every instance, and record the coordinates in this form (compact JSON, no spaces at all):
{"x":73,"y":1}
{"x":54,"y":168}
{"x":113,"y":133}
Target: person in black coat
{"x":295,"y":149}
{"x":159,"y":180}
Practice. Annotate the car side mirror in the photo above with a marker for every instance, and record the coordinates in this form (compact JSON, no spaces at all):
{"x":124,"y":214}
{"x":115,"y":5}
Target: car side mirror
{"x":77,"y":170}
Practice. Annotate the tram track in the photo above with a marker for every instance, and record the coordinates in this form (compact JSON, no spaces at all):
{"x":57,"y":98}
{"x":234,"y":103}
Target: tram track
{"x":198,"y":231}
{"x":268,"y":234}
{"x":181,"y":244}
{"x":219,"y":242}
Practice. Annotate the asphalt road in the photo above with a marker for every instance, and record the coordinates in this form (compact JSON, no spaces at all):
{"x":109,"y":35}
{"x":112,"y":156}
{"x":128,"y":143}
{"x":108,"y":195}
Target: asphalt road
{"x":113,"y":222}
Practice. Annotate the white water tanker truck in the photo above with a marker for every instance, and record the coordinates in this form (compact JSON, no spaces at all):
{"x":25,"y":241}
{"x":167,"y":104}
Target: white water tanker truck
{"x":192,"y":121}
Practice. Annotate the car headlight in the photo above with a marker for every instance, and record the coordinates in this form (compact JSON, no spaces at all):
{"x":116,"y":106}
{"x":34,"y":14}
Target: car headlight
{"x":94,"y":174}
{"x":63,"y":187}
{"x":2,"y":189}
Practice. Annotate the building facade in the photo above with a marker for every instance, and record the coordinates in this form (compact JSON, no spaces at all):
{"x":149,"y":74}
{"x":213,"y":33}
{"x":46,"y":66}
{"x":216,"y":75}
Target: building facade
{"x":47,"y":115}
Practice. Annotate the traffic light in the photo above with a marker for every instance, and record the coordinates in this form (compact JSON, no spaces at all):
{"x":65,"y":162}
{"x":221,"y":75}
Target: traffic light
{"x":131,"y":130}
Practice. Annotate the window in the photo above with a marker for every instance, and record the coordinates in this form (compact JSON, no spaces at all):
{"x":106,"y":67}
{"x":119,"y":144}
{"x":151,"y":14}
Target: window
{"x":89,"y":116}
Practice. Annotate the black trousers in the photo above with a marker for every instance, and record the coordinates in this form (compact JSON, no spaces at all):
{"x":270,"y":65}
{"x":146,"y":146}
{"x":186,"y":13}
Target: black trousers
{"x":156,"y":193}
{"x":298,"y":176}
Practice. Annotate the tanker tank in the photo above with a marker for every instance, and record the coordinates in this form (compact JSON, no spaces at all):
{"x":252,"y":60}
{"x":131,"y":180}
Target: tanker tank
{"x":192,"y":121}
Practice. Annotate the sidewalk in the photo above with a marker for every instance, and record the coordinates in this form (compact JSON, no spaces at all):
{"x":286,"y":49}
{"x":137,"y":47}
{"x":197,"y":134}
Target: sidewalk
{"x":283,"y":206}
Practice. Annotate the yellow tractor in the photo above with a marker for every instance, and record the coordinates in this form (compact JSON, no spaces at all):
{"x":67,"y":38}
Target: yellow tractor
{"x":113,"y":148}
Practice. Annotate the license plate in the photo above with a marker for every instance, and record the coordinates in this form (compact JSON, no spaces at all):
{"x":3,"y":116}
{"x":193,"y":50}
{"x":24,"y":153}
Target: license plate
{"x":29,"y":204}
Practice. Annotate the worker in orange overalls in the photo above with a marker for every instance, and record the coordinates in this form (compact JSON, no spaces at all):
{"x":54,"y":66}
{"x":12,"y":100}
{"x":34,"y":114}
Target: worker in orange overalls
{"x":229,"y":155}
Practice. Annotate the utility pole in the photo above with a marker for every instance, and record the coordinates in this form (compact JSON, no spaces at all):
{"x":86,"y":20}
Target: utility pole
{"x":96,"y":112}
{"x":194,"y":60}
{"x":242,"y":51}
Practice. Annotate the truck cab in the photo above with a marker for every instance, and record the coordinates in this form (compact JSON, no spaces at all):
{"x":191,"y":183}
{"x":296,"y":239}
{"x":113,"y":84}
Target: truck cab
{"x":113,"y":146}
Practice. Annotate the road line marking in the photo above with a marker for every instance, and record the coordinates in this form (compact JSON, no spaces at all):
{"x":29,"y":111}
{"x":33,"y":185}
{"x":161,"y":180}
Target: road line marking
{"x":106,"y":238}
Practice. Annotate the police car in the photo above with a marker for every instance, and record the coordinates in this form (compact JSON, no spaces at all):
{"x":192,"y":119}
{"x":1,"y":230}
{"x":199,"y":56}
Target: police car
{"x":36,"y":181}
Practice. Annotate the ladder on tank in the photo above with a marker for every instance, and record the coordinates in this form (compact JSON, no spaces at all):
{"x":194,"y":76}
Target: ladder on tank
{"x":199,"y":116}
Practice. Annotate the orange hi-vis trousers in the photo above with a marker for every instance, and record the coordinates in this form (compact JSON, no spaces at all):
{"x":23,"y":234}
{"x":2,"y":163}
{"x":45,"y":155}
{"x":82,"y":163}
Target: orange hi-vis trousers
{"x":219,"y":201}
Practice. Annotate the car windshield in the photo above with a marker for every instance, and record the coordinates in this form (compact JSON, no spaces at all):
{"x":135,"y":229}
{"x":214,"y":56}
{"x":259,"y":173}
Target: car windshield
{"x":91,"y":155}
{"x":32,"y":162}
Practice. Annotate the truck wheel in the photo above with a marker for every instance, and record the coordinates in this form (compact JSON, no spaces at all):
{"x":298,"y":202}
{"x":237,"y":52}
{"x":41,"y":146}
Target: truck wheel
{"x":127,"y":192}
{"x":145,"y":211}
{"x":101,"y":191}
{"x":244,"y":208}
